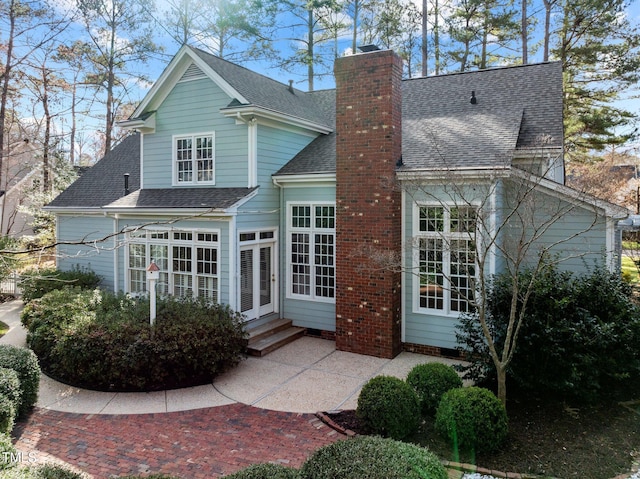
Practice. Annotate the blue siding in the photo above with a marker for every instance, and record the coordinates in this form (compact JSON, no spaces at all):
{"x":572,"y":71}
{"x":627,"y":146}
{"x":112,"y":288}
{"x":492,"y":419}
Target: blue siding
{"x":194,"y":107}
{"x":98,"y":257}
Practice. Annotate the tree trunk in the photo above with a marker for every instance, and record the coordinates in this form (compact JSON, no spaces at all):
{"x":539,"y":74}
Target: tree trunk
{"x":502,"y":384}
{"x":525,"y":35}
{"x":356,"y":13}
{"x":425,"y":50}
{"x":547,"y":27}
{"x":310,"y":50}
{"x":436,"y":35}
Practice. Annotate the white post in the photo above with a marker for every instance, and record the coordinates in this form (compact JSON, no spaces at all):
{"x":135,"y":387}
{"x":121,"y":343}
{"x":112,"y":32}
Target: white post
{"x":153,"y":273}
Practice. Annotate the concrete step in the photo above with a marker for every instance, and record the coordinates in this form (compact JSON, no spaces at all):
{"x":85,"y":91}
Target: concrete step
{"x":270,"y":338}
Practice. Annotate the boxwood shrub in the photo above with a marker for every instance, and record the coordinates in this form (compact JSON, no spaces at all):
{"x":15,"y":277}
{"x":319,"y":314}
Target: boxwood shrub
{"x":371,"y":457}
{"x":10,"y":386}
{"x":431,"y":381}
{"x":25,"y":363}
{"x":388,"y":406}
{"x":104,"y":341}
{"x":7,"y":414}
{"x":472,"y":419}
{"x":8,"y":453}
{"x":35,"y":284}
{"x":265,"y":471}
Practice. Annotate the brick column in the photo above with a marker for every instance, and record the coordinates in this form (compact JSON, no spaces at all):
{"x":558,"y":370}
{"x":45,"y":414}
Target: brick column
{"x":369,"y":143}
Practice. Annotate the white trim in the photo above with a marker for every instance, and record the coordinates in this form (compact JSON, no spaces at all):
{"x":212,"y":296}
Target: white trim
{"x":252,"y":132}
{"x":403,"y":276}
{"x":194,"y":161}
{"x":141,"y":160}
{"x":116,"y":263}
{"x":264,"y":115}
{"x":308,"y":180}
{"x":311,"y":231}
{"x":234,"y":259}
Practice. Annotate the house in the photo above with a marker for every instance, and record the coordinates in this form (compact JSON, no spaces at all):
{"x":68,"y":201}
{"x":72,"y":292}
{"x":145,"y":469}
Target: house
{"x":287,"y":204}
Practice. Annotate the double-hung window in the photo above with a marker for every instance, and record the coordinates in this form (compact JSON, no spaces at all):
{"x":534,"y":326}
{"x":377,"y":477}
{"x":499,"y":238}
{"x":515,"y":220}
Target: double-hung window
{"x":187,"y":260}
{"x":445,"y":257}
{"x":311,"y":249}
{"x":194,"y":159}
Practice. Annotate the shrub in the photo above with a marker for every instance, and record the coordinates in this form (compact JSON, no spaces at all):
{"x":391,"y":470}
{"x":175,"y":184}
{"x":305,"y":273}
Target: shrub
{"x":104,"y":341}
{"x":55,"y":471}
{"x":7,"y":414}
{"x":431,"y":381}
{"x":578,"y":341}
{"x":8,"y":452}
{"x":370,"y":457}
{"x":10,"y":386}
{"x":25,"y":363}
{"x":35,"y":284}
{"x":472,"y":418}
{"x":265,"y":471}
{"x":389,"y":407}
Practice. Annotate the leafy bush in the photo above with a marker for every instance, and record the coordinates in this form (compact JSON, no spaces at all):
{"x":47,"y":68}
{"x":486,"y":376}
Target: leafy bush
{"x":472,"y":419}
{"x":10,"y":386}
{"x":389,"y":407}
{"x":265,"y":471}
{"x":45,"y":471}
{"x":8,"y":452}
{"x":35,"y":284}
{"x":431,"y":381}
{"x":25,"y":363}
{"x":7,"y":414}
{"x":370,"y":457}
{"x":104,"y":341}
{"x":578,"y":341}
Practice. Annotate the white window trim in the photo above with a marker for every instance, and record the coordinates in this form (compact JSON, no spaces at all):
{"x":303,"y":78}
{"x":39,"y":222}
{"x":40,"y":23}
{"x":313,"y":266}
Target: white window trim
{"x":194,"y":160}
{"x":290,"y":229}
{"x":417,"y":236}
{"x":170,"y":242}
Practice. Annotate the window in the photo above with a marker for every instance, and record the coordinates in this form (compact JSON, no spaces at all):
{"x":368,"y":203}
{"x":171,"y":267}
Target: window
{"x":194,"y":159}
{"x":446,"y":257}
{"x":311,"y":251}
{"x":188,"y":262}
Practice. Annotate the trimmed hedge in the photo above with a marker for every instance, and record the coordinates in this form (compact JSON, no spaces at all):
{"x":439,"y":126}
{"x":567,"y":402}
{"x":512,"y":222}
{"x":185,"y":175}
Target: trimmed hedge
{"x":8,"y":453}
{"x":7,"y":414}
{"x":388,"y":406}
{"x":45,"y":471}
{"x":10,"y":386}
{"x":370,"y":457}
{"x":35,"y":284}
{"x":430,"y":381}
{"x":472,"y":419}
{"x":25,"y":363}
{"x":98,"y":340}
{"x":265,"y":471}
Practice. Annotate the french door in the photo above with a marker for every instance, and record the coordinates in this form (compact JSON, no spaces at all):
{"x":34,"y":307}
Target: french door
{"x":257,"y":280}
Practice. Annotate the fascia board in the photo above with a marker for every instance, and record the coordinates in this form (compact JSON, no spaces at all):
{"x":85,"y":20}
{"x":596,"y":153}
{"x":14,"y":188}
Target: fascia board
{"x":265,"y":113}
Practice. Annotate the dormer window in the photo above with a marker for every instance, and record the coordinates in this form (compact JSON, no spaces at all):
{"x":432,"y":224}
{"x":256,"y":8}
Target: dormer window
{"x":194,"y":159}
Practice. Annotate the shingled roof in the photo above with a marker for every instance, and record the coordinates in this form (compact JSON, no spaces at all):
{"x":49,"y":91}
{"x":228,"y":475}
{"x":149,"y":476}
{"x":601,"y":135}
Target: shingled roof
{"x":103,"y":183}
{"x":516,"y":108}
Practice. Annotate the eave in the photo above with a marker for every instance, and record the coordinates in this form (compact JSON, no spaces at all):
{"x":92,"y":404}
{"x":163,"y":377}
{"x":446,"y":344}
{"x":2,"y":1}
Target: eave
{"x":259,"y":113}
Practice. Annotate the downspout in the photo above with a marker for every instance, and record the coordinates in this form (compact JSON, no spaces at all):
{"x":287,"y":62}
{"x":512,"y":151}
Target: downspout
{"x":403,"y":277}
{"x":282,"y":270}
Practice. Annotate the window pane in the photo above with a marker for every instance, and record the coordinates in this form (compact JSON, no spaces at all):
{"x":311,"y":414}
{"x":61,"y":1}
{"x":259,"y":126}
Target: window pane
{"x":184,"y":159}
{"x":325,"y":217}
{"x":462,"y":274}
{"x":182,"y":258}
{"x":431,"y":275}
{"x":301,"y":216}
{"x":324,"y":267}
{"x":137,"y":256}
{"x":300,"y":264}
{"x":463,"y":220}
{"x":431,"y":219}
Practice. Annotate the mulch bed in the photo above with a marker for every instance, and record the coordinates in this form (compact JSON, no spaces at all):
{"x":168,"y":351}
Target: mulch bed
{"x":548,"y":439}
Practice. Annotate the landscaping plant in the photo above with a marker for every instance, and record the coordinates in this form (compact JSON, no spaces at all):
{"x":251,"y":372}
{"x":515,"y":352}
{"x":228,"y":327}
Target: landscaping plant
{"x":431,"y":381}
{"x":388,"y":406}
{"x":578,"y":341}
{"x":104,"y":341}
{"x":265,"y":471}
{"x":472,"y":418}
{"x":36,"y":283}
{"x":371,"y":457}
{"x":25,"y":363}
{"x":8,"y":453}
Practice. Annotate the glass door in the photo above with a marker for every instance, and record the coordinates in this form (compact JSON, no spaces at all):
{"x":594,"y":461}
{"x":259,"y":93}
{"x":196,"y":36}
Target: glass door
{"x":257,"y":279}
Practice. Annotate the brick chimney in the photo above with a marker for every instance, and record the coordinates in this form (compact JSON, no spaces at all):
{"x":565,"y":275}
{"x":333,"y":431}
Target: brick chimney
{"x":369,"y":143}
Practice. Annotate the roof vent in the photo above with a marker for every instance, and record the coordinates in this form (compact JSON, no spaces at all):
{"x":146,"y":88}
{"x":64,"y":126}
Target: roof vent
{"x":473,"y":100}
{"x":368,"y":48}
{"x":291,"y":87}
{"x":126,"y":184}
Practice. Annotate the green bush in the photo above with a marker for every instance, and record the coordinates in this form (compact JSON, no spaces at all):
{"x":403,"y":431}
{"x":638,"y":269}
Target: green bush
{"x":370,"y":457}
{"x":578,"y":341}
{"x":473,"y":419}
{"x":389,"y":407}
{"x":55,"y":471}
{"x":103,"y":341}
{"x":8,"y":453}
{"x":25,"y":363}
{"x":7,"y":414}
{"x":431,"y":381}
{"x":35,"y":284}
{"x":265,"y":471}
{"x":10,"y":386}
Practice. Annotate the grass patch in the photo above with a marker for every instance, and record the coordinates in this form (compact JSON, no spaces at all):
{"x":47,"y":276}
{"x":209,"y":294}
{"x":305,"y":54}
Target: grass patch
{"x":630,"y":270}
{"x":4,"y":329}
